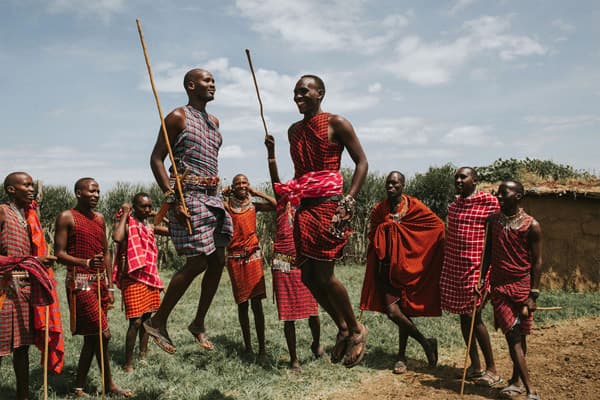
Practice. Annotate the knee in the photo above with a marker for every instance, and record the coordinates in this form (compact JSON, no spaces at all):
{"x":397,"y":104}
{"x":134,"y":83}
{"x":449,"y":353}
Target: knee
{"x":256,"y":305}
{"x":135,"y":323}
{"x":513,"y":336}
{"x":243,"y":307}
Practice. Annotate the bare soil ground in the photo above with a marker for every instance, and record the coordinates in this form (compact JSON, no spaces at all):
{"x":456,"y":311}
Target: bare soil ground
{"x":563,"y":358}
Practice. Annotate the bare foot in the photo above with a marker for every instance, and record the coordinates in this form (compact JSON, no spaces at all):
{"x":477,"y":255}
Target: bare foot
{"x":295,"y":366}
{"x":201,"y":337}
{"x":79,"y":393}
{"x":120,"y":392}
{"x":317,"y":350}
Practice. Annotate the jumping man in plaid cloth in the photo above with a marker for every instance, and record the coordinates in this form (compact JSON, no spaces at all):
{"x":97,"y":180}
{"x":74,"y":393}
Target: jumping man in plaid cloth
{"x":16,"y":310}
{"x":80,"y":243}
{"x":135,"y":270}
{"x":514,"y":256}
{"x":321,"y":225}
{"x":460,"y":272}
{"x":196,"y":141}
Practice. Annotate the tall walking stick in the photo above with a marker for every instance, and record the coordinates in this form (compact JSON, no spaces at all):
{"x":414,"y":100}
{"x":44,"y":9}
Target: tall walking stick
{"x":262,"y":116}
{"x":46,"y":339}
{"x":464,"y":374}
{"x":100,"y":338}
{"x":163,"y":126}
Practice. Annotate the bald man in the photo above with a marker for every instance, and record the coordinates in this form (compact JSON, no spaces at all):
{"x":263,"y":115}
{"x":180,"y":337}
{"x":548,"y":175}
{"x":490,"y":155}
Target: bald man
{"x":196,"y":140}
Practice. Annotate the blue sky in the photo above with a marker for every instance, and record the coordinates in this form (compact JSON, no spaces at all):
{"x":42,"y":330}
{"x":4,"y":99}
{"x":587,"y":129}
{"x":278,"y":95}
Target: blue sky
{"x":423,"y":82}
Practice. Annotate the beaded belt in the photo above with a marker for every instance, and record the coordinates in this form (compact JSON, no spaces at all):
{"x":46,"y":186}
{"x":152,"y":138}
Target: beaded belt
{"x":284,"y":263}
{"x":249,"y":255}
{"x":18,"y":275}
{"x":313,"y":201}
{"x":81,"y":280}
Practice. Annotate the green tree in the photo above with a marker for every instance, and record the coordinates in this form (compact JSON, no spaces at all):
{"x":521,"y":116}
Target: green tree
{"x":435,"y":188}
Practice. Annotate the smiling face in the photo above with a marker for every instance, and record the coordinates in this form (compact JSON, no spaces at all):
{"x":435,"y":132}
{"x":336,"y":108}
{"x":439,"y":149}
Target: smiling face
{"x":200,"y":84}
{"x":465,"y":181}
{"x":509,"y":195}
{"x":20,"y":189}
{"x":394,"y":185}
{"x":240,"y":186}
{"x":308,"y":96}
{"x":88,"y":193}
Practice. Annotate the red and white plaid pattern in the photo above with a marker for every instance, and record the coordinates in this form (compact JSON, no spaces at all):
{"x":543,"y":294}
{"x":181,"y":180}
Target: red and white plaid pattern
{"x":464,"y":245}
{"x":310,"y":185}
{"x":142,"y":254}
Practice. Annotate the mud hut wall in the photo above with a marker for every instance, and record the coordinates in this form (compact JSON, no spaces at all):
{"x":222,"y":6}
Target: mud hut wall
{"x":571,"y":241}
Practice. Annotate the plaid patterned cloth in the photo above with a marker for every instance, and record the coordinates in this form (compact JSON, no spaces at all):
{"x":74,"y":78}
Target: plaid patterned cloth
{"x":15,"y":239}
{"x":197,"y":149}
{"x":20,"y":295}
{"x":464,"y":245}
{"x":85,"y":240}
{"x":139,"y":298}
{"x":310,"y":185}
{"x":312,"y":151}
{"x":294,"y":300}
{"x":510,"y":274}
{"x":141,"y":255}
{"x":244,"y":260}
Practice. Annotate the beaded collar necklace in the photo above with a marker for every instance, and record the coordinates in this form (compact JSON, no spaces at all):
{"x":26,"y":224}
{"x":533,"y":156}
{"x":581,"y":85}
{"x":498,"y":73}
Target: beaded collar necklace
{"x":514,"y":222}
{"x":22,"y":219}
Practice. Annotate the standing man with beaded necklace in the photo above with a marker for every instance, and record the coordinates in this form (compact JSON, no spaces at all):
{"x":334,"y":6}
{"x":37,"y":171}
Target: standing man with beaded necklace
{"x":196,"y":141}
{"x":16,"y":311}
{"x":514,"y":257}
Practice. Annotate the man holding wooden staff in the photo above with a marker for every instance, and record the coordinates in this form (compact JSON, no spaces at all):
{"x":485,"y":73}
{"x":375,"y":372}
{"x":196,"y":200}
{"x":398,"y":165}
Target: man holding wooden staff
{"x":80,"y":243}
{"x":461,"y":269}
{"x":196,"y":141}
{"x":321,"y":228}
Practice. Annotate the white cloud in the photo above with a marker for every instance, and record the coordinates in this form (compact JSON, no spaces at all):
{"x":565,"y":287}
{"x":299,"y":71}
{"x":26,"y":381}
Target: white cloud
{"x":100,"y":8}
{"x":436,"y":63}
{"x":563,"y":26}
{"x":232,"y":151}
{"x":470,"y":135}
{"x":555,"y":122}
{"x":375,"y":87}
{"x":315,"y":25}
{"x":460,"y":5}
{"x":404,"y":130}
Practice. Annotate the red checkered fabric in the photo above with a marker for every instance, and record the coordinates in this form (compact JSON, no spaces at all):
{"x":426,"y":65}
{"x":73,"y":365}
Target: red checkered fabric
{"x":284,"y":229}
{"x":294,"y":300}
{"x":85,"y":240}
{"x":310,"y":185}
{"x":510,"y":274}
{"x":311,"y":151}
{"x":139,"y":298}
{"x":15,"y":240}
{"x":142,"y":255}
{"x":244,"y":260}
{"x":196,"y":149}
{"x":464,"y":245}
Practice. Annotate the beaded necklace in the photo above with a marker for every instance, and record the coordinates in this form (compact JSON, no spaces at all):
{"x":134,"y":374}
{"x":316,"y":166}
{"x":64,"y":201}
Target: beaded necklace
{"x":20,"y":216}
{"x":514,"y":222}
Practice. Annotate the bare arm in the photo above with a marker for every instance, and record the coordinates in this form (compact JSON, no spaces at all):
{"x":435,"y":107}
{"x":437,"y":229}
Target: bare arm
{"x":175,"y":123}
{"x":342,"y":131}
{"x":161,"y":230}
{"x":273,"y":171}
{"x":268,"y":206}
{"x":535,"y":252}
{"x":120,"y":227}
{"x":486,"y":257}
{"x":106,"y":260}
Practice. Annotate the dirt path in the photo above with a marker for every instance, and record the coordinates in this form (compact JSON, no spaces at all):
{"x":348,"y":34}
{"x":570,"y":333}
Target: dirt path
{"x":564,"y":361}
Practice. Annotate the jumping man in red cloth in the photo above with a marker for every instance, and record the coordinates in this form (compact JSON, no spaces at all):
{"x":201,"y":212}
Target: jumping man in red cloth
{"x":321,"y":224}
{"x":404,"y":260}
{"x":244,"y":260}
{"x":80,"y":243}
{"x":16,"y":310}
{"x":294,"y":300}
{"x":460,"y":273}
{"x":514,"y":255}
{"x":135,"y":270}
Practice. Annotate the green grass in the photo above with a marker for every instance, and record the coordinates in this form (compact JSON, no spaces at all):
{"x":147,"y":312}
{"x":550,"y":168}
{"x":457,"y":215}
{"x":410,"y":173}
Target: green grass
{"x":225,"y":373}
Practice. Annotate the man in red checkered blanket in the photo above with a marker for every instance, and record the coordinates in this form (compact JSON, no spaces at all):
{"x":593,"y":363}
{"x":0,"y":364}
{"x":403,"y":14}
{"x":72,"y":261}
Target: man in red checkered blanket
{"x":321,"y":224}
{"x":514,"y":256}
{"x":20,"y":276}
{"x":460,"y":272}
{"x":135,"y":270}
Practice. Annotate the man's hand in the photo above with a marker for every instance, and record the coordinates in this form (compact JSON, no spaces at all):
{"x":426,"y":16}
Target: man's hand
{"x":528,"y":307}
{"x":126,"y":207}
{"x":111,"y":298}
{"x":270,"y":144}
{"x":97,"y":261}
{"x":180,"y":214}
{"x":47,"y":260}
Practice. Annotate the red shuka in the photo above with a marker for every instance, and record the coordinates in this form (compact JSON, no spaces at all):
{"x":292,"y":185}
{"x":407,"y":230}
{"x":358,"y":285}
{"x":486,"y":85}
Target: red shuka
{"x":415,"y":249}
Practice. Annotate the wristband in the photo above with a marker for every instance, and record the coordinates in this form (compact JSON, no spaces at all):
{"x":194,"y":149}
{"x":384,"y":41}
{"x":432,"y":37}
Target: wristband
{"x":87,"y":262}
{"x":111,"y":289}
{"x":534,"y":293}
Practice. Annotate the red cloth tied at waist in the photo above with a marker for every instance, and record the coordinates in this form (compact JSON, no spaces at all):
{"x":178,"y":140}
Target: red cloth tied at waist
{"x":310,"y":185}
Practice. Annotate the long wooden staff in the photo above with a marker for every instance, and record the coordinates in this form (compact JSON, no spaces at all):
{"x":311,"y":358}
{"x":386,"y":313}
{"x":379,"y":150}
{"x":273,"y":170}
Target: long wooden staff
{"x":46,"y":339}
{"x":163,"y":126}
{"x":100,"y":338}
{"x":464,"y":374}
{"x":262,"y":116}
